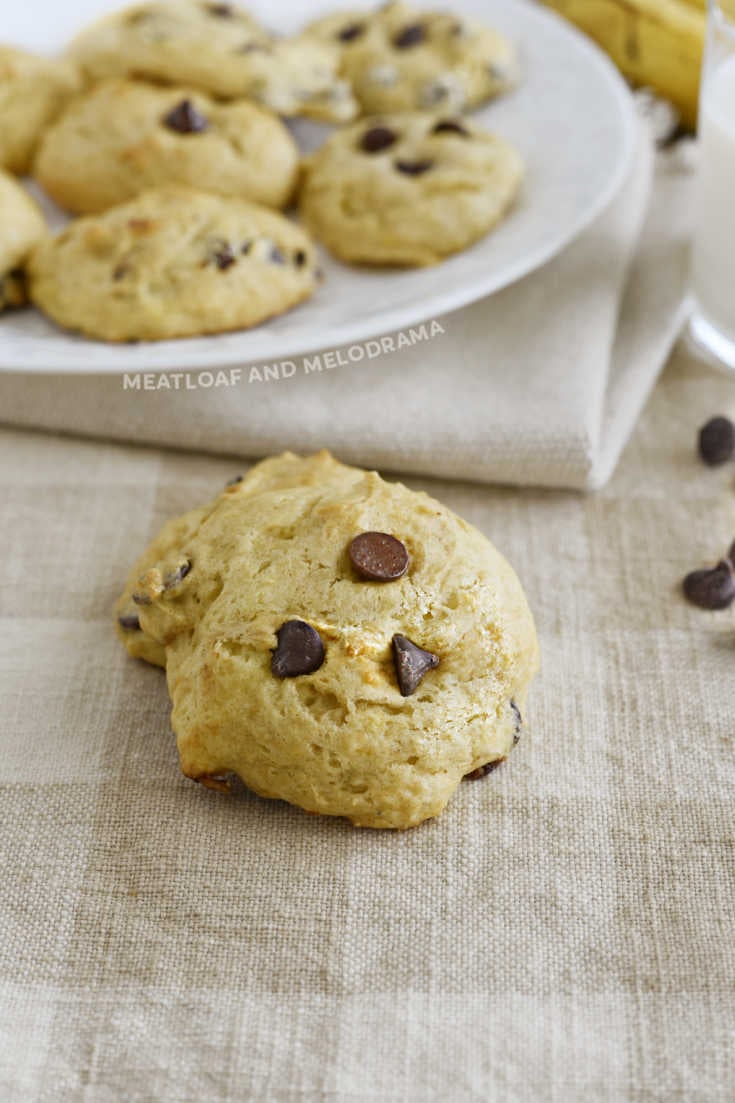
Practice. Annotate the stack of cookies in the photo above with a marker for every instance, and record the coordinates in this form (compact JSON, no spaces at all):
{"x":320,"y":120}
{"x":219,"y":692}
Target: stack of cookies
{"x":163,"y":130}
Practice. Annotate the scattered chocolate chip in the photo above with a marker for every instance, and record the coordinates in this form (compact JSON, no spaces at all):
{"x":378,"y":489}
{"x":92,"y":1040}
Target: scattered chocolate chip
{"x":411,"y":663}
{"x":518,"y":723}
{"x":120,"y":272}
{"x":711,"y":589}
{"x":175,"y":577}
{"x":142,"y":599}
{"x":717,"y":441}
{"x":130,"y":622}
{"x":299,"y":651}
{"x":413,"y":168}
{"x":185,"y":119}
{"x":222,"y":255}
{"x":411,"y":35}
{"x":235,"y":481}
{"x":351,"y":32}
{"x":378,"y":556}
{"x":299,"y":258}
{"x":220,"y":11}
{"x":483,"y":771}
{"x":377,"y":138}
{"x":246,"y":247}
{"x":450,"y":126}
{"x":276,"y":256}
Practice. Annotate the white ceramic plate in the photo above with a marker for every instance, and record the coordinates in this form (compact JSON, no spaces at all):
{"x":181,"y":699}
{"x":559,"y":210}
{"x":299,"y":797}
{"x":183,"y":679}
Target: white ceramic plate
{"x":571,"y":118}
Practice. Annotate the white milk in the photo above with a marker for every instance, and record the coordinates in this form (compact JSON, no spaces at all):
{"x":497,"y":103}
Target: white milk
{"x":714,"y":241}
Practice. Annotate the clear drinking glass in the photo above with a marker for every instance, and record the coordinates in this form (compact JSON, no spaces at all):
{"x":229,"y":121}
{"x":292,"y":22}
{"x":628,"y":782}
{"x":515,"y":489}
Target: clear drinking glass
{"x":712,"y":325}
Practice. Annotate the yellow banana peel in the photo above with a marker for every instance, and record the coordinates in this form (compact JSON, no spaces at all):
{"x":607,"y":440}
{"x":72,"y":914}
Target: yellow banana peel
{"x":656,"y":43}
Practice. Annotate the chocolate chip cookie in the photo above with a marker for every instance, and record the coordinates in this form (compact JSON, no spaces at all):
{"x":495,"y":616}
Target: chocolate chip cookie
{"x":408,"y":189}
{"x":220,"y":49}
{"x":337,"y":641}
{"x":21,"y":227}
{"x":401,"y":58}
{"x":33,"y":90}
{"x":172,"y":263}
{"x":127,"y":136}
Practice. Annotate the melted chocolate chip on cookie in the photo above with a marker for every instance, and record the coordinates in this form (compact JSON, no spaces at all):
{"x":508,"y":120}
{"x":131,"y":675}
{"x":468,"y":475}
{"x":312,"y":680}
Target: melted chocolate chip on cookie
{"x":483,"y":771}
{"x":450,"y":126}
{"x":414,"y":168}
{"x":412,"y":663}
{"x":299,"y":651}
{"x":378,"y":556}
{"x":412,"y":35}
{"x":185,"y":119}
{"x":222,"y":255}
{"x":233,"y":482}
{"x":175,"y":577}
{"x":130,"y":622}
{"x":276,"y":256}
{"x":377,"y":138}
{"x":220,"y":11}
{"x":351,"y":32}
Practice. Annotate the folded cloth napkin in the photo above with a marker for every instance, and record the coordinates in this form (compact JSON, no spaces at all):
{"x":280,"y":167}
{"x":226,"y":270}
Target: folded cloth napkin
{"x":539,"y":384}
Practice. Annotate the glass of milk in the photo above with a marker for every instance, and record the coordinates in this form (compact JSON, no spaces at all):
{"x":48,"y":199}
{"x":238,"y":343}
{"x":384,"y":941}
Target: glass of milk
{"x":713,"y":261}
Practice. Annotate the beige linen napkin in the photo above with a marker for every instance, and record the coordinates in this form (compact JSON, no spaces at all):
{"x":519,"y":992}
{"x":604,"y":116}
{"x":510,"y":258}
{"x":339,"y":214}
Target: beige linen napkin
{"x":539,"y":384}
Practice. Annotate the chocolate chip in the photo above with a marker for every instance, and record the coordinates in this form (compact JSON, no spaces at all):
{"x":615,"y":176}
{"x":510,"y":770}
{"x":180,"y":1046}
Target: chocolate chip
{"x":276,"y":256}
{"x":717,"y":441}
{"x":185,"y":119}
{"x":450,"y":126}
{"x":235,"y":481}
{"x":378,"y":556}
{"x":483,"y":771}
{"x":120,"y":272}
{"x":351,"y":32}
{"x":222,"y":255}
{"x":175,"y":577}
{"x":711,"y":589}
{"x":377,"y":138}
{"x":220,"y":11}
{"x":299,"y":651}
{"x":299,"y":258}
{"x":142,"y":599}
{"x":413,"y":168}
{"x":518,"y":729}
{"x":411,"y":35}
{"x":130,"y":622}
{"x":411,"y":663}
{"x":246,"y":247}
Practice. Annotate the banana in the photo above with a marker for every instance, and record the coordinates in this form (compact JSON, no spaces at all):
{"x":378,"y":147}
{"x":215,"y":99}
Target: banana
{"x":657,"y":43}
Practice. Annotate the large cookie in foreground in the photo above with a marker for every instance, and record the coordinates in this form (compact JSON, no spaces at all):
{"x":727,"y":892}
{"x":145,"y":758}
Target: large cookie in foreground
{"x":402,"y":58}
{"x":219,"y":49}
{"x":172,"y":263}
{"x":408,"y":189}
{"x":125,"y":137}
{"x":33,"y":91}
{"x":21,"y":227}
{"x":339,"y":642}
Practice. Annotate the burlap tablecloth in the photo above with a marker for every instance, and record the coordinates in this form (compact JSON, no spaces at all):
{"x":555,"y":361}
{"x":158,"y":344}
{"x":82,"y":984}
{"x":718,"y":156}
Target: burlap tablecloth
{"x":563,"y":933}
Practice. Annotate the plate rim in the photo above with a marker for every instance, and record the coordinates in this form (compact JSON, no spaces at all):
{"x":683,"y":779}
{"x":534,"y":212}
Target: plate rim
{"x":360,"y":330}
